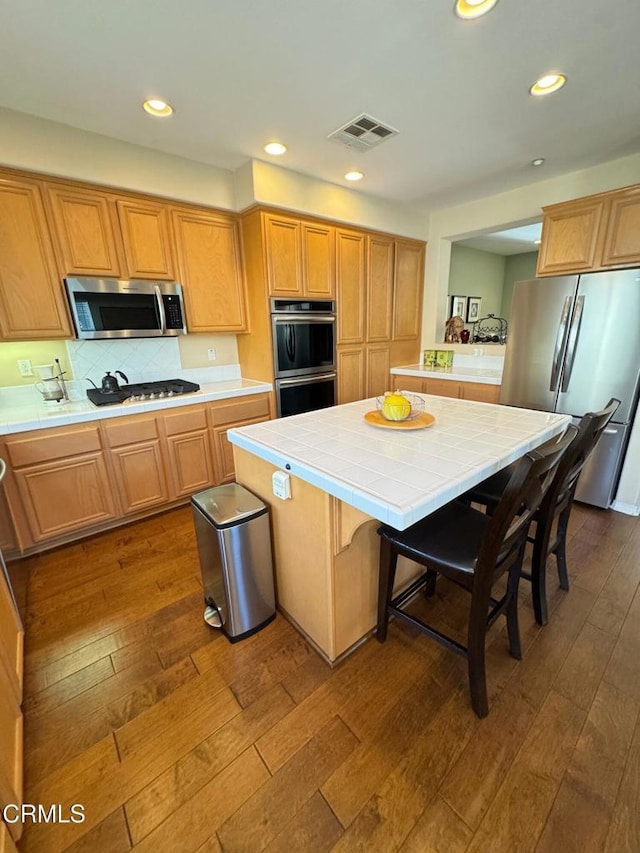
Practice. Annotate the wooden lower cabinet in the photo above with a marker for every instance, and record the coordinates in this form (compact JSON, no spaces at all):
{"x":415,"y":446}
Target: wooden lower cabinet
{"x":350,"y":367}
{"x":478,"y":391}
{"x":188,"y":452}
{"x":223,"y":417}
{"x":136,"y":458}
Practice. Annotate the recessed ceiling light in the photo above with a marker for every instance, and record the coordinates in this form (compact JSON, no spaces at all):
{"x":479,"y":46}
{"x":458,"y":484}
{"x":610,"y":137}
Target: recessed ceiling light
{"x":275,"y":148}
{"x":156,"y":107}
{"x":468,"y":9}
{"x":537,"y":242}
{"x":354,"y":175}
{"x":538,"y":161}
{"x":548,"y":83}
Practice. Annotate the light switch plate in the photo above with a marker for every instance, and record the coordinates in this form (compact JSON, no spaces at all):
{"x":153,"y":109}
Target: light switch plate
{"x":281,"y":483}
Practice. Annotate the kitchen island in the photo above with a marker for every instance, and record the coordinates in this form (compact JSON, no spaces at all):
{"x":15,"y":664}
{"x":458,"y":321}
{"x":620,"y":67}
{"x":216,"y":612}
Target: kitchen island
{"x":346,"y":476}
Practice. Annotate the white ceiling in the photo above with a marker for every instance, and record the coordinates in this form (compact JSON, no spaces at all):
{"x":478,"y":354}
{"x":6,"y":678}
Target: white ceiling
{"x":241,"y":72}
{"x":512,"y":241}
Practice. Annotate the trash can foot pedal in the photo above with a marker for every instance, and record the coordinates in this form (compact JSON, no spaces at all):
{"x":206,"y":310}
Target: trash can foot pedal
{"x":212,"y":617}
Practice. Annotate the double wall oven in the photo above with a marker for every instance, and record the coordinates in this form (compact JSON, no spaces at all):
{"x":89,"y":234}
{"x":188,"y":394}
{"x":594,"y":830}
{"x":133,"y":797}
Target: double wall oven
{"x":304,"y":354}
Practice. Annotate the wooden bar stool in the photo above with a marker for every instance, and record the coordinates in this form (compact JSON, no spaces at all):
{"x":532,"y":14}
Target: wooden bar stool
{"x":474,"y":550}
{"x":552,"y":517}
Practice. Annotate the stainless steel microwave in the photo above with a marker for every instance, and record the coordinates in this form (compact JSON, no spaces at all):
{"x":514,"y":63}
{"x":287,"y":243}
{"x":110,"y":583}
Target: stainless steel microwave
{"x":112,"y":308}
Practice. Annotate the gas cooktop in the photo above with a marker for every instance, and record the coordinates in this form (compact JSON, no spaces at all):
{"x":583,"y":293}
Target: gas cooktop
{"x":142,"y":391}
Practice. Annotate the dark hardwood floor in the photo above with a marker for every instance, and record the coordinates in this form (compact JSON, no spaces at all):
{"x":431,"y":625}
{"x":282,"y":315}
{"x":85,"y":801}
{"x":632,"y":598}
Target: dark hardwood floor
{"x":172,"y":739}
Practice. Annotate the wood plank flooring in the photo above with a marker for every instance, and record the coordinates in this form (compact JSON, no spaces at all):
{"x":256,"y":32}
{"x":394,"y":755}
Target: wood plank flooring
{"x":173,"y":739}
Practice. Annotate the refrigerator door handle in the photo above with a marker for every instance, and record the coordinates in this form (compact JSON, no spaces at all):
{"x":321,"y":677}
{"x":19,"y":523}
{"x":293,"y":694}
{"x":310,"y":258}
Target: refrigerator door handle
{"x":558,"y":349}
{"x":573,"y":340}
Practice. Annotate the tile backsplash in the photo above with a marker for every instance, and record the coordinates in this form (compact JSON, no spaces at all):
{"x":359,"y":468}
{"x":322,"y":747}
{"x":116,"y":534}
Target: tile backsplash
{"x":140,"y":359}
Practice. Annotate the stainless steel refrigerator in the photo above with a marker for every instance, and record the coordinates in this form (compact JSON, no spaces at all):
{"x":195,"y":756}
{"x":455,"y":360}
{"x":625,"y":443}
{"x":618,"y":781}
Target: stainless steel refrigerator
{"x":574,"y":342}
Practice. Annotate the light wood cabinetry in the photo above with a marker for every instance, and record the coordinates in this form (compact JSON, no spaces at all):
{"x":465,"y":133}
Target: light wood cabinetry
{"x":136,"y":457}
{"x":11,"y":727}
{"x":85,"y":226}
{"x":146,"y":236}
{"x":31,"y":298}
{"x":62,"y":479}
{"x":407,"y":290}
{"x":479,"y":391}
{"x":592,"y":233}
{"x":188,"y":451}
{"x":224,"y":416}
{"x":300,"y":257}
{"x":350,"y":286}
{"x":380,"y":270}
{"x":210,"y":269}
{"x":350,"y":367}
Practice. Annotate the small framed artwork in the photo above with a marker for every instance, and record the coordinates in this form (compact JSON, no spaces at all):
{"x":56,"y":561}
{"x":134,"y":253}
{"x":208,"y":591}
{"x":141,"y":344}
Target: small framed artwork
{"x":458,"y":306}
{"x":473,"y":308}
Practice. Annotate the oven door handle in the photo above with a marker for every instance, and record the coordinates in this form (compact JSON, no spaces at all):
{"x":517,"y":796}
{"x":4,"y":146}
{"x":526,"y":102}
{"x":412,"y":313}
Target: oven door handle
{"x":303,"y":318}
{"x":304,"y":380}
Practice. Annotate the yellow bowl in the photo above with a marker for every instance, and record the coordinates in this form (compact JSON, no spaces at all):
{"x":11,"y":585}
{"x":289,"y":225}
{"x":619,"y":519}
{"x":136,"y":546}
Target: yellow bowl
{"x":416,"y":403}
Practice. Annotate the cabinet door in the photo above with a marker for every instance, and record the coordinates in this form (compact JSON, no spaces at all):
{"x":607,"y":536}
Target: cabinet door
{"x":319,"y":261}
{"x":283,"y":246}
{"x":407,"y":383}
{"x":480,"y":391}
{"x":140,"y":476}
{"x":85,"y":228}
{"x":377,"y":370}
{"x":351,"y":374}
{"x":350,"y":286}
{"x":570,"y":237}
{"x":11,"y":751}
{"x":442,"y":387}
{"x":147,"y":239}
{"x":210,"y":270}
{"x":31,"y":297}
{"x":407,"y":290}
{"x":191,"y":463}
{"x":11,"y":640}
{"x":66,"y":495}
{"x":223,"y":450}
{"x":622,"y":241}
{"x":379,"y":288}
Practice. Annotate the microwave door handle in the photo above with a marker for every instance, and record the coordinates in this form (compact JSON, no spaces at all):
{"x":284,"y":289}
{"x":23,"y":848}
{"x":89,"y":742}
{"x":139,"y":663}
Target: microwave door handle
{"x":574,"y":331}
{"x":558,"y":349}
{"x":160,"y":304}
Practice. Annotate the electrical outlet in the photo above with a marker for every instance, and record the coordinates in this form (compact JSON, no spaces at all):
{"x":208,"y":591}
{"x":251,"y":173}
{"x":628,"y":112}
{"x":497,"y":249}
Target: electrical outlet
{"x":25,"y":367}
{"x":211,"y":353}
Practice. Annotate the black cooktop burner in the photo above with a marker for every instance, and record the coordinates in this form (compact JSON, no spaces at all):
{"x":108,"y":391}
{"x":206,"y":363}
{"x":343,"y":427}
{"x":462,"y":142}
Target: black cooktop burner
{"x":142,"y":391}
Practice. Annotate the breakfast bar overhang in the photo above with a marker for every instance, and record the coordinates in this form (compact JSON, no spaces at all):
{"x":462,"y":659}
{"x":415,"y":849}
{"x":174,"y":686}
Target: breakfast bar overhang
{"x":347,"y":476}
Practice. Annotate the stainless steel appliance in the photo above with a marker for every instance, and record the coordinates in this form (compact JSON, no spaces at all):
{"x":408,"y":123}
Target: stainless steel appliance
{"x":304,"y":354}
{"x":574,"y":343}
{"x":141,"y":391}
{"x":111,"y":308}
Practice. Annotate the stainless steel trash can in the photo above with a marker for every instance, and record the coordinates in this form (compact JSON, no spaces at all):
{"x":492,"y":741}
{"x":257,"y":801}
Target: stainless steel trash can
{"x":234,"y":544}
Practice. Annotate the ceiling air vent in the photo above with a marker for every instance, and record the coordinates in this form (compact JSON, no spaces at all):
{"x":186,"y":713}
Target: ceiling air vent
{"x":362,"y":133}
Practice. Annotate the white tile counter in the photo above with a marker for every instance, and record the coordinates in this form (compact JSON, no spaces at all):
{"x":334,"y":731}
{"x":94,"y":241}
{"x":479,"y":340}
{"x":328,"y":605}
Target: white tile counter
{"x":484,"y":375}
{"x":21,"y":414}
{"x":399,"y":476}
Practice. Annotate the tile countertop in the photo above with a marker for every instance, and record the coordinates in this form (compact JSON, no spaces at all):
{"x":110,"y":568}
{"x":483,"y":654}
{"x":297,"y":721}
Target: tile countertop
{"x":399,"y":476}
{"x":22,"y":416}
{"x":487,"y":376}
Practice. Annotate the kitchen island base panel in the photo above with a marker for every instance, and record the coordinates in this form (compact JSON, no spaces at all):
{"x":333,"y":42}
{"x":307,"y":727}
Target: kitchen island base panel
{"x":325,"y":558}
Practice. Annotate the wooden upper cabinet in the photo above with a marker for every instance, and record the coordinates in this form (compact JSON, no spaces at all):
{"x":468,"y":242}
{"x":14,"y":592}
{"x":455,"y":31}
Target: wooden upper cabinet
{"x":86,"y":229}
{"x":622,"y":239}
{"x":283,"y":249}
{"x":379,"y":287}
{"x":407,"y":289}
{"x":32,"y":302}
{"x":350,"y":285}
{"x":571,"y":236}
{"x":318,"y":261}
{"x":210,"y":271}
{"x":146,"y":235}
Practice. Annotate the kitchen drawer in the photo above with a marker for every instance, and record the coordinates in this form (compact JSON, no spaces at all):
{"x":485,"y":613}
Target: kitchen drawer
{"x":53,"y":444}
{"x":187,"y":420}
{"x":240,"y":410}
{"x":134,"y":430}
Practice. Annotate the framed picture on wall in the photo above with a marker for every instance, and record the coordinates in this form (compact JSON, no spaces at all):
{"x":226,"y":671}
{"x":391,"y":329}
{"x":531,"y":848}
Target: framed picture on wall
{"x":458,"y":306}
{"x":473,"y":308}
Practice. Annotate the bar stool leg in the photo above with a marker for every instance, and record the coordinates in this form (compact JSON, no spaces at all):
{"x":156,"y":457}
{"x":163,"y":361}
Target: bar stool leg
{"x":386,"y":577}
{"x":476,"y":656}
{"x":513,"y":627}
